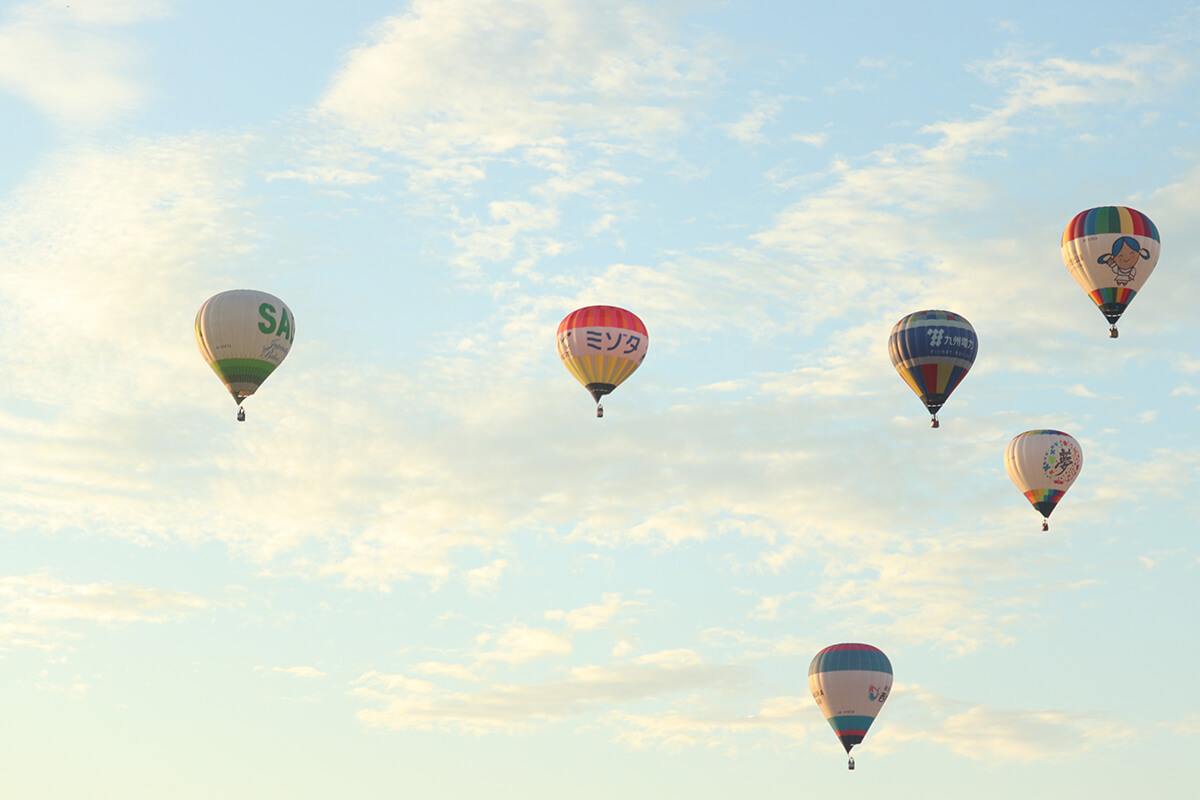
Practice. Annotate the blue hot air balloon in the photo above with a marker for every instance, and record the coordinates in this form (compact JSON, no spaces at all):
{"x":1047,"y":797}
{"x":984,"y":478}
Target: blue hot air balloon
{"x":933,"y":350}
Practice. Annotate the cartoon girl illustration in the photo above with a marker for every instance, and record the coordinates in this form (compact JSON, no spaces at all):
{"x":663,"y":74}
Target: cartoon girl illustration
{"x":1123,"y":259}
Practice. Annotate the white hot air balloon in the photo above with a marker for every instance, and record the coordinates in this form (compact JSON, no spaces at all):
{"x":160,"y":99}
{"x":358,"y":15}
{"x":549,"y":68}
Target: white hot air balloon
{"x":1043,"y":464}
{"x":244,"y":335}
{"x":850,"y":683}
{"x":1110,"y":252}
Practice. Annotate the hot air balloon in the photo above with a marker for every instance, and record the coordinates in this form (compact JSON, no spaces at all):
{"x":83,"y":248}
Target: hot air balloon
{"x":244,"y":335}
{"x":601,"y":346}
{"x":1110,"y":251}
{"x":850,"y":683}
{"x":1043,"y":464}
{"x":933,"y":350}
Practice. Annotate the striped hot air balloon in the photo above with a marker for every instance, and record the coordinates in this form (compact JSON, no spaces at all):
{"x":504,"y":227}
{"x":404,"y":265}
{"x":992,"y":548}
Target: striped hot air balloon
{"x":1043,"y":464}
{"x":933,"y":350}
{"x":850,"y":683}
{"x":601,"y":346}
{"x":244,"y":335}
{"x":1110,"y":252}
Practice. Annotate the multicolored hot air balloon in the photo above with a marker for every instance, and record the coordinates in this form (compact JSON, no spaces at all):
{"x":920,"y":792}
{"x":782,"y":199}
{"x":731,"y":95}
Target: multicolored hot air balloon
{"x":1043,"y":464}
{"x":1110,"y":251}
{"x":850,"y":683}
{"x":602,"y":346}
{"x":244,"y":335}
{"x":933,"y":350}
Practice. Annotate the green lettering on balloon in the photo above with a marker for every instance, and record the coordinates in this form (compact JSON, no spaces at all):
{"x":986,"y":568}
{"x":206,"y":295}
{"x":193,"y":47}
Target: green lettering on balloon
{"x":265,"y":311}
{"x":285,"y":325}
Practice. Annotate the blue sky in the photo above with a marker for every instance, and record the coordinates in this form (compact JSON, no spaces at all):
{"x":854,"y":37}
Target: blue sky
{"x":422,"y":567}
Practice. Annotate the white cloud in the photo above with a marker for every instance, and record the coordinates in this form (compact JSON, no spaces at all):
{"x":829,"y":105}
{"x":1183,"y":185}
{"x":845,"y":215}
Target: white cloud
{"x":106,"y":12}
{"x":789,"y":719}
{"x":69,"y":62}
{"x":1188,"y":725}
{"x":985,"y":734}
{"x":768,"y":607}
{"x":1079,"y":390}
{"x":560,"y":95}
{"x":623,"y":647}
{"x":335,"y":176}
{"x":74,"y":691}
{"x":37,"y":611}
{"x":747,"y":129}
{"x":813,"y":139}
{"x":297,"y":672}
{"x":488,"y":77}
{"x":456,"y":671}
{"x":519,"y":644}
{"x":480,"y":242}
{"x":485,"y":579}
{"x":602,"y":225}
{"x":372,"y":516}
{"x":99,"y":250}
{"x":671,"y":659}
{"x":43,"y":598}
{"x":594,"y":617}
{"x":398,"y":702}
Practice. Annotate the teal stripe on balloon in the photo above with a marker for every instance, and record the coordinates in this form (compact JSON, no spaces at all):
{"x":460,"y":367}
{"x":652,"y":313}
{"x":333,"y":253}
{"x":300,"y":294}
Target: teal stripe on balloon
{"x":836,"y":660}
{"x":851,"y":722}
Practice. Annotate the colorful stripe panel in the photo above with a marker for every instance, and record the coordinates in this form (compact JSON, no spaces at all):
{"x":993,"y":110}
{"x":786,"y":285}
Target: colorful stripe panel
{"x":1110,"y":219}
{"x":1112,"y":296}
{"x":1051,"y":496}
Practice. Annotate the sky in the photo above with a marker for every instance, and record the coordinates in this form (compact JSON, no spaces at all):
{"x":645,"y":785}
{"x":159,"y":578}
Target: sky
{"x":422,"y":567}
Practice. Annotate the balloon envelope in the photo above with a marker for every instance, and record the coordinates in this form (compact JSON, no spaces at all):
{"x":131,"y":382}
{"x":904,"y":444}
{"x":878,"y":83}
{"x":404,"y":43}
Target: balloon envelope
{"x":1043,"y":464}
{"x":933,"y":350}
{"x":602,"y":346}
{"x":850,"y":683}
{"x":1110,"y":252}
{"x":244,"y":335}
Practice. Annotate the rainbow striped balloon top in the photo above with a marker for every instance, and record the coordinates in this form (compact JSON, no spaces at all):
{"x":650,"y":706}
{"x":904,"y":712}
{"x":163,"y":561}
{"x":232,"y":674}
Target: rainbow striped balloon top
{"x":1110,"y":219}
